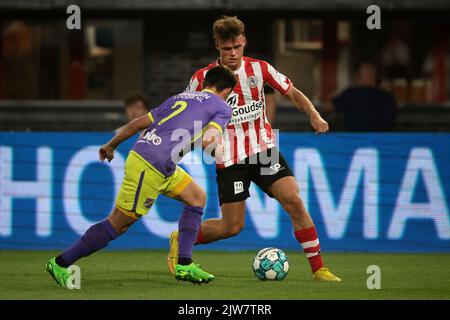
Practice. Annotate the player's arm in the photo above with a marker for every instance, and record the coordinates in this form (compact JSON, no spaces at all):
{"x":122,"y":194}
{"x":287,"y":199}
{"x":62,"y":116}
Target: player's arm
{"x":212,"y":140}
{"x":130,"y":129}
{"x":195,"y":84}
{"x":302,"y":103}
{"x":283,"y":85}
{"x":271,"y":104}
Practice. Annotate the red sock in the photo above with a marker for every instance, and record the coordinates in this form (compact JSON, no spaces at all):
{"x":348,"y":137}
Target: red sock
{"x":307,"y":237}
{"x":200,"y":239}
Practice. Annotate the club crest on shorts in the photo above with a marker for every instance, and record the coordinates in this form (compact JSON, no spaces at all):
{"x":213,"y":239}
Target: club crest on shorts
{"x":148,"y":203}
{"x":252,"y":82}
{"x":238,"y":187}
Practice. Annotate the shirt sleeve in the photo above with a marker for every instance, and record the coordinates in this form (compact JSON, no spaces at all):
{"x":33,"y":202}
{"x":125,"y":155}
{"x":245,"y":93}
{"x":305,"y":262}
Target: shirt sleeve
{"x":196,"y":82}
{"x":276,"y":79}
{"x":221,"y":118}
{"x":150,"y":117}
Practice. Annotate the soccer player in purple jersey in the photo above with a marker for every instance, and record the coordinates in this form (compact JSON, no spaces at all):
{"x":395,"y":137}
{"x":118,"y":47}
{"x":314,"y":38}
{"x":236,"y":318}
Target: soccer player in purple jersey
{"x":151,"y":169}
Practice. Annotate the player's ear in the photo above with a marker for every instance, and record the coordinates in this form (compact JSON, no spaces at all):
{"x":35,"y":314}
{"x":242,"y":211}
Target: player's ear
{"x":217,"y":45}
{"x":225,"y":93}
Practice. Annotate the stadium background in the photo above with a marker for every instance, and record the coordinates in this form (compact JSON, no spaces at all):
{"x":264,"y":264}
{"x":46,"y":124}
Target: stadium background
{"x":367,"y":192}
{"x":61,"y":97}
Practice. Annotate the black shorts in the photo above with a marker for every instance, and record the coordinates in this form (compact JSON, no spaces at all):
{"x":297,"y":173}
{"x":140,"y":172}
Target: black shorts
{"x":263,"y":169}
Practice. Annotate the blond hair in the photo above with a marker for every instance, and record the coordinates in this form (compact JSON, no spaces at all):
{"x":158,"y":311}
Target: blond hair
{"x":228,"y":27}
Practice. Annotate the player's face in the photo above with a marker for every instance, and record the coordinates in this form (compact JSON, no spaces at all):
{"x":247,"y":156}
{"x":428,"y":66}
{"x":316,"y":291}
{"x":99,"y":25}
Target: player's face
{"x":136,"y":110}
{"x":231,"y":51}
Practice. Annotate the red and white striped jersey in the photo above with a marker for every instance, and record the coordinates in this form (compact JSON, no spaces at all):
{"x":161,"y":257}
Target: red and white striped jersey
{"x":248,"y":132}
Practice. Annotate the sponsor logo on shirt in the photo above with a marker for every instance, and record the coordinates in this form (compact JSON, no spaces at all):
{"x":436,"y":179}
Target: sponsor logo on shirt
{"x":247,"y":112}
{"x":152,"y":137}
{"x":232,"y":99}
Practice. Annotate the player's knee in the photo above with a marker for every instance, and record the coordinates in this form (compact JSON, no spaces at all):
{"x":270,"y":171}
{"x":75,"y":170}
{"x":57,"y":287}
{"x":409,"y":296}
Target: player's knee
{"x":196,"y":199}
{"x":200,"y":199}
{"x":293,"y":200}
{"x":233,"y":229}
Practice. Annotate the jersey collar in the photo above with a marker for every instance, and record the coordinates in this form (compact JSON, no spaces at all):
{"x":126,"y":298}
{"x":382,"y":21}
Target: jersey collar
{"x":242,"y":66}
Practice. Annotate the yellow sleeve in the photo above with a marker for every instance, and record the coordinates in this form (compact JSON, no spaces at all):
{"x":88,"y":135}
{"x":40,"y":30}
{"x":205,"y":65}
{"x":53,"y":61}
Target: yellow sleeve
{"x":216,"y":125}
{"x":150,"y":116}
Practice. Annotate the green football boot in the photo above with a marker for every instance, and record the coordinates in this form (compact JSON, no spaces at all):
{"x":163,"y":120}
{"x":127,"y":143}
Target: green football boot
{"x":59,"y":274}
{"x":192,"y":273}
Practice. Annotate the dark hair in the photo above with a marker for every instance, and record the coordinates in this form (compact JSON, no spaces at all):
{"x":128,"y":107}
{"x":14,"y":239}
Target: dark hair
{"x":136,"y":97}
{"x":220,"y":77}
{"x":227,"y":28}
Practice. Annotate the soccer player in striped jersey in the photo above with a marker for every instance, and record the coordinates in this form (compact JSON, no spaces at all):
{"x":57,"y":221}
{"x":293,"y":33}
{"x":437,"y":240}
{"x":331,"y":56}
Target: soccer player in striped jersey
{"x":151,"y":169}
{"x":249,"y":142}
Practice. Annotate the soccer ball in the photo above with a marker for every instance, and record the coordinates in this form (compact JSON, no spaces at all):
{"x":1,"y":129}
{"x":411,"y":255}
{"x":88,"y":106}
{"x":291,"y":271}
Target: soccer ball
{"x":271,"y":264}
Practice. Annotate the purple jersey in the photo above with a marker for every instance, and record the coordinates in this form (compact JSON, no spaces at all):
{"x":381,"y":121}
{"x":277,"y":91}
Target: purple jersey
{"x":176,"y":123}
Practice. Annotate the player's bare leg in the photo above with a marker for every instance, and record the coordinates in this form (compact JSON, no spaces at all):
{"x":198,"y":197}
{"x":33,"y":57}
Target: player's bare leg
{"x":120,"y":221}
{"x":231,"y":223}
{"x":285,"y":190}
{"x":192,"y":195}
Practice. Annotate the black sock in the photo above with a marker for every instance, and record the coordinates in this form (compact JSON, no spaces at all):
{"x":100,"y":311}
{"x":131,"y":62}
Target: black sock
{"x":60,"y":262}
{"x":184,"y":261}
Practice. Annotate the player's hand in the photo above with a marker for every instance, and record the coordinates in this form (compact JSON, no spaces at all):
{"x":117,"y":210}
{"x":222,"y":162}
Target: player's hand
{"x":106,"y":152}
{"x":218,"y":152}
{"x":319,"y":124}
{"x":218,"y":147}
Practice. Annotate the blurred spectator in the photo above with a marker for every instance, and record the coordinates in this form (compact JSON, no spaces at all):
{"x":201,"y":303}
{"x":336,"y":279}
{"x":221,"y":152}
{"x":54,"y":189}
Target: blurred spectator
{"x":271,"y":104}
{"x":19,"y":60}
{"x":395,"y":58}
{"x":136,"y":105}
{"x":364,"y":106}
{"x":396,"y":62}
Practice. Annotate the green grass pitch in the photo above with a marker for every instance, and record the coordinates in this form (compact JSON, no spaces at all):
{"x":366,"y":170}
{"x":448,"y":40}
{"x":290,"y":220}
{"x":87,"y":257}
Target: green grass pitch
{"x":143,"y":274}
